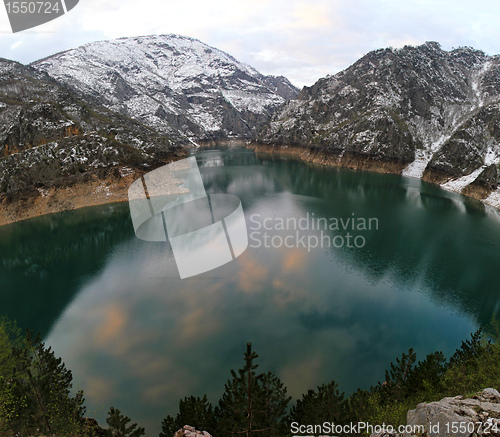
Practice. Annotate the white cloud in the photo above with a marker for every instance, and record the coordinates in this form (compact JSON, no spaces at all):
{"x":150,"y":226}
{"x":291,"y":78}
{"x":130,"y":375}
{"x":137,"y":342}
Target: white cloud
{"x":301,"y":40}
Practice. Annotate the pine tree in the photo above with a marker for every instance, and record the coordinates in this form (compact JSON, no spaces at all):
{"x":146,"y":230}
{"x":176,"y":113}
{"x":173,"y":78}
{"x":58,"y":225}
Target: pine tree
{"x":252,"y":403}
{"x":428,"y":374}
{"x":193,"y":411}
{"x":358,"y":406}
{"x":397,"y":380}
{"x":326,"y":404}
{"x":169,"y":427}
{"x":469,"y":350}
{"x":118,"y":425}
{"x":10,"y":337}
{"x":275,"y":405}
{"x":42,"y":384}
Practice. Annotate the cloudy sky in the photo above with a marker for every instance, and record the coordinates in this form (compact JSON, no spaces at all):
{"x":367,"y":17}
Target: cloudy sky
{"x":303,"y":40}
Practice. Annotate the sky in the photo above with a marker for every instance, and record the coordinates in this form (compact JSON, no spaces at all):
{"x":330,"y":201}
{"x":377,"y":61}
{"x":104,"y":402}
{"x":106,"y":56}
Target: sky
{"x":302,"y":40}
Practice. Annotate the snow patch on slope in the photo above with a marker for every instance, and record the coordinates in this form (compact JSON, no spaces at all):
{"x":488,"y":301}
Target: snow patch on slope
{"x":493,"y":199}
{"x":422,"y":158}
{"x":456,"y":118}
{"x":459,"y":184}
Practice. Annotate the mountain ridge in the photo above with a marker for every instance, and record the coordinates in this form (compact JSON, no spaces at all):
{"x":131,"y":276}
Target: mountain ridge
{"x":423,"y":111}
{"x":417,"y":111}
{"x":178,"y":85}
{"x":68,"y":144}
{"x":53,"y":142}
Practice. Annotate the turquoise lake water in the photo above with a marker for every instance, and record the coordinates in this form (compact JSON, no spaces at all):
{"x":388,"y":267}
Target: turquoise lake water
{"x":424,"y":274}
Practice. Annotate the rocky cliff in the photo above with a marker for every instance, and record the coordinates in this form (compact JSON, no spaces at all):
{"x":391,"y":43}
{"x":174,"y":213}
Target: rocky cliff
{"x":422,"y":111}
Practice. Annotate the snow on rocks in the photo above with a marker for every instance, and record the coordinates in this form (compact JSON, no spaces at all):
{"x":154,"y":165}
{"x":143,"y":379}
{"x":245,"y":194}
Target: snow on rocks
{"x":459,"y":184}
{"x":493,"y":199}
{"x":416,"y":168}
{"x":172,"y":82}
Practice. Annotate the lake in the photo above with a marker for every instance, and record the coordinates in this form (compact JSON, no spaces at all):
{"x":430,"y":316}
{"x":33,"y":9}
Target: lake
{"x":344,"y":272}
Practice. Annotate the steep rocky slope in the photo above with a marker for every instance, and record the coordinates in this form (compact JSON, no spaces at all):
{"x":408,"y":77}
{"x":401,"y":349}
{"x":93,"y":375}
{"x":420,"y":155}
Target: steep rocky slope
{"x":421,"y":111}
{"x":50,"y":138}
{"x":178,"y":85}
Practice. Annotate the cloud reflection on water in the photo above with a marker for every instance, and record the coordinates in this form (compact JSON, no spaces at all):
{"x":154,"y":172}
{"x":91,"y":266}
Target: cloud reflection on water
{"x":138,"y":338}
{"x":151,"y":340}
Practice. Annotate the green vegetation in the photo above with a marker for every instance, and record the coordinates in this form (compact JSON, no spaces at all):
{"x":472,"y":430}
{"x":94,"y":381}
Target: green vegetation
{"x":36,"y":397}
{"x":35,"y":388}
{"x":118,"y":425}
{"x":473,"y":367}
{"x":252,"y":404}
{"x":193,"y":411}
{"x":35,"y":393}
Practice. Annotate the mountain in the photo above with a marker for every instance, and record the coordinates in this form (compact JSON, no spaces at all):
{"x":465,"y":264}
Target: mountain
{"x":177,"y":85}
{"x":94,"y":113}
{"x":420,"y":111}
{"x":53,"y":138}
{"x":77,"y":127}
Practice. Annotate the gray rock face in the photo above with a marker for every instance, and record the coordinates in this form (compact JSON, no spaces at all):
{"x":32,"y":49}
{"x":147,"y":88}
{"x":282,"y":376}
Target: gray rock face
{"x":177,"y":85}
{"x":435,"y":112}
{"x":48,"y":134}
{"x":457,"y":416}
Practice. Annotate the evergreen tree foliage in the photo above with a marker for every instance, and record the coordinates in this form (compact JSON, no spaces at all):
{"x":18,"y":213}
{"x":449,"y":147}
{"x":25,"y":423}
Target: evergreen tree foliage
{"x":252,"y":403}
{"x":193,"y":411}
{"x":358,"y":405}
{"x":119,"y":425}
{"x":405,"y":378}
{"x":326,"y":404}
{"x":9,"y":337}
{"x":395,"y":387}
{"x":43,"y":384}
{"x":469,"y":350}
{"x":169,"y":427}
{"x":239,"y":403}
{"x":35,"y":388}
{"x":275,"y":405}
{"x":427,"y":374}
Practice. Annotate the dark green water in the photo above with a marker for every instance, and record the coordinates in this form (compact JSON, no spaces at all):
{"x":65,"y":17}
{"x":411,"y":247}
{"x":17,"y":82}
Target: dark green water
{"x":138,"y":338}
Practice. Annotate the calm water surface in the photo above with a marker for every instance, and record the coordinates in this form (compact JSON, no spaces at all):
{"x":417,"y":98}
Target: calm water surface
{"x":138,"y":338}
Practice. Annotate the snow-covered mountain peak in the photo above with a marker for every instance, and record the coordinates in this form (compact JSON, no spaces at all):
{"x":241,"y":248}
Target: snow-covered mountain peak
{"x":173,"y":83}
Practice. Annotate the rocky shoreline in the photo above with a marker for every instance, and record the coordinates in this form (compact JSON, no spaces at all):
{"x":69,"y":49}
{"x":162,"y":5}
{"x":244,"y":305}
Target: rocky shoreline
{"x":114,"y":188}
{"x":79,"y":195}
{"x":92,"y":190}
{"x":368,"y":163}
